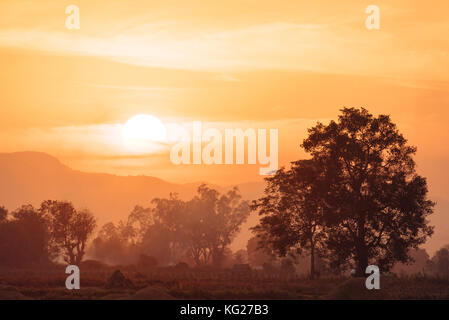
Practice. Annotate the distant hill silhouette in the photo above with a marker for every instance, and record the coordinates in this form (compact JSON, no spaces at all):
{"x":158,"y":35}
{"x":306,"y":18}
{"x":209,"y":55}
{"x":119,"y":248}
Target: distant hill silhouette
{"x":31,"y":177}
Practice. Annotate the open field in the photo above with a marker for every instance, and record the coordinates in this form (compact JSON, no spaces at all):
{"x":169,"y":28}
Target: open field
{"x":169,"y":283}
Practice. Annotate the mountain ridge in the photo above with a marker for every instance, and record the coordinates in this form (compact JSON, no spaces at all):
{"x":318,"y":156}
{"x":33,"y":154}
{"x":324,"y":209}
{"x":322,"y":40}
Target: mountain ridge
{"x":30,"y":177}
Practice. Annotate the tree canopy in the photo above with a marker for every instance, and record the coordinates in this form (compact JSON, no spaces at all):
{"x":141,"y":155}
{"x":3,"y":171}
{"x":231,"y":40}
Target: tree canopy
{"x":364,"y":195}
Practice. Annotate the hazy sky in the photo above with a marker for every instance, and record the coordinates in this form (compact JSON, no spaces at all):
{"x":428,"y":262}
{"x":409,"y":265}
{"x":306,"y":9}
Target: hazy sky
{"x":249,"y":64}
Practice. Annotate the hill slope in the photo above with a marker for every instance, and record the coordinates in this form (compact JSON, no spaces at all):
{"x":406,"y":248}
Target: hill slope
{"x":31,"y":177}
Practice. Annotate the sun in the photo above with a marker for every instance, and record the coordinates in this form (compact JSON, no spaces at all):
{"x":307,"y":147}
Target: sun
{"x":144,"y":128}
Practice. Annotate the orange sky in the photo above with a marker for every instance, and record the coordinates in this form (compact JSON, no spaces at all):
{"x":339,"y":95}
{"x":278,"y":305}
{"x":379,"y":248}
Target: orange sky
{"x":236,"y":63}
{"x":249,"y":64}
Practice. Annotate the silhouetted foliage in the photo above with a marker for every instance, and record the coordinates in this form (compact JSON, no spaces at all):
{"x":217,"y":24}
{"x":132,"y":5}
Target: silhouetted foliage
{"x":212,"y":222}
{"x":3,"y":214}
{"x":257,"y":256}
{"x":364,"y":196}
{"x":167,"y":238}
{"x":376,"y":202}
{"x":419,"y":263}
{"x":24,"y":238}
{"x":292,"y":211}
{"x":200,"y":229}
{"x":69,"y":229}
{"x":440,"y":263}
{"x":111,"y":246}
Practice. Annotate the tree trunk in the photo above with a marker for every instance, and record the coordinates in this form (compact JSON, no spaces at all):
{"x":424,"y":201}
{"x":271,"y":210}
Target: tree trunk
{"x":361,"y":261}
{"x":361,"y":249}
{"x":312,"y":261}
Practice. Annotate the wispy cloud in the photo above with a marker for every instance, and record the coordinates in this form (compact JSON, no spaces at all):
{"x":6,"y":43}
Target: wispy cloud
{"x":105,"y":140}
{"x":137,"y":88}
{"x":288,"y":46}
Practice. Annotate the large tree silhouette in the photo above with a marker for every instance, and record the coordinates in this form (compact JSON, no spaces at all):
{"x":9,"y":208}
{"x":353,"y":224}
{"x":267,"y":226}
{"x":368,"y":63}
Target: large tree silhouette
{"x":376,"y":204}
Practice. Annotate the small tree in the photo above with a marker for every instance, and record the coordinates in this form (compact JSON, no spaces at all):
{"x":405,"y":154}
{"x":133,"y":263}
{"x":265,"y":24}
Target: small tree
{"x":440,"y":262}
{"x":69,"y":229}
{"x":166,"y":238}
{"x":257,"y":256}
{"x":24,"y":238}
{"x":210,"y":221}
{"x":219,"y":218}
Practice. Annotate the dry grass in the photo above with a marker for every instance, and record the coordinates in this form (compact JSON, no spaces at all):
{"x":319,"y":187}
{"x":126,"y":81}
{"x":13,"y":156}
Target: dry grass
{"x":49,"y":283}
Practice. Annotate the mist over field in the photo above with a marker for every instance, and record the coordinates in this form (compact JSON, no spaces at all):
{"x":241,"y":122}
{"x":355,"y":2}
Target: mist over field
{"x":210,"y":150}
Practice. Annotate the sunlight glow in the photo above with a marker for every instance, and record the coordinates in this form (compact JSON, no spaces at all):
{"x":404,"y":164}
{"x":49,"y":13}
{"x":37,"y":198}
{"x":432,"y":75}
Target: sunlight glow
{"x":143,"y":130}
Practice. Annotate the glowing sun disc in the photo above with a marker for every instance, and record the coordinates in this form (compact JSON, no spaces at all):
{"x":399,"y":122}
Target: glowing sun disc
{"x":144,"y":127}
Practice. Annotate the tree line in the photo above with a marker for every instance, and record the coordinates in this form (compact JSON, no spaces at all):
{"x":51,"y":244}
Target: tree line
{"x":198,"y":230}
{"x":357,"y":200}
{"x":54,"y":231}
